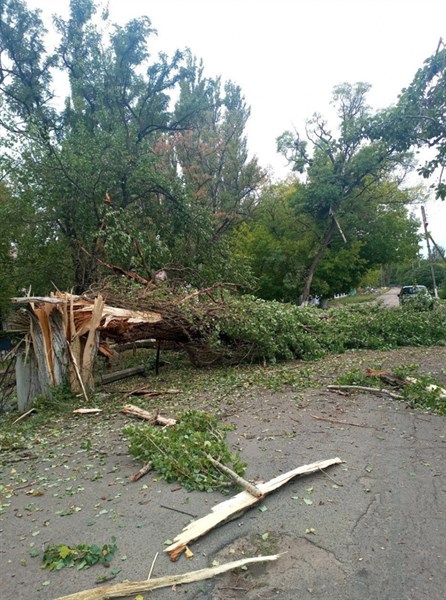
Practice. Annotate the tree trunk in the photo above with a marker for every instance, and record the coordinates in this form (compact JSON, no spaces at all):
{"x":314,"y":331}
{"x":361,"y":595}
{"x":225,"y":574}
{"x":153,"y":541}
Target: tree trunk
{"x":45,"y":364}
{"x":328,"y":235}
{"x":28,"y":385}
{"x":85,"y":268}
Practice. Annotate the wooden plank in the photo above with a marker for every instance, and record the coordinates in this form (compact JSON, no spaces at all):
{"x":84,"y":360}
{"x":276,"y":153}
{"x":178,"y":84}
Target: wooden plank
{"x":242,"y":501}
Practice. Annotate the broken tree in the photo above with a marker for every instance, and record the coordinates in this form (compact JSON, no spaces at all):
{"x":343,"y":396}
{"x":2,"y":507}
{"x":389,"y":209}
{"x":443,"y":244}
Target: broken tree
{"x":62,"y":340}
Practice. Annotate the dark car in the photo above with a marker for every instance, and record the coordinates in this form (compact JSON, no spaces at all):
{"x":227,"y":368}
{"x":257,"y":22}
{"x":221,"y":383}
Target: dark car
{"x":417,"y":296}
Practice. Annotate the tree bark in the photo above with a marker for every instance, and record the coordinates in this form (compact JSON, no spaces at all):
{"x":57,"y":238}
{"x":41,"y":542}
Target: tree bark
{"x":328,"y":236}
{"x":118,"y":375}
{"x":28,"y":384}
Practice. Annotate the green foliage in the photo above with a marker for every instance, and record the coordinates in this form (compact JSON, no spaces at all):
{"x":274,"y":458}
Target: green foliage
{"x":417,"y":120}
{"x":260,"y":330}
{"x":340,"y":172}
{"x":83,"y":556}
{"x":121,"y":173}
{"x":358,"y":377}
{"x":418,"y":272}
{"x":179,"y":452}
{"x":271,"y":330}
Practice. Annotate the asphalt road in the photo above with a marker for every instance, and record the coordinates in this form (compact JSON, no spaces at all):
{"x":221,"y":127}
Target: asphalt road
{"x":390,"y":298}
{"x":371,"y":528}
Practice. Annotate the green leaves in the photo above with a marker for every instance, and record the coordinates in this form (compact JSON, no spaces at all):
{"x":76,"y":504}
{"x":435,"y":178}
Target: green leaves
{"x":179,"y":452}
{"x":82,"y":556}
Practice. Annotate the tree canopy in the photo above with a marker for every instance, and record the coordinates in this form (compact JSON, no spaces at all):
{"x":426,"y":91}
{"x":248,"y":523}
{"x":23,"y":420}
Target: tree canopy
{"x":143,"y":165}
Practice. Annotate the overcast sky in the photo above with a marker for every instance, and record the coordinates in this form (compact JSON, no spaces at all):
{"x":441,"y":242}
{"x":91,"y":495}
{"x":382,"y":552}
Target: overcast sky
{"x":288,"y":54}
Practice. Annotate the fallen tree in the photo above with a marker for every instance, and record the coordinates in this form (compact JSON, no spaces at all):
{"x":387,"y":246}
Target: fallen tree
{"x":62,"y":339}
{"x":64,"y":333}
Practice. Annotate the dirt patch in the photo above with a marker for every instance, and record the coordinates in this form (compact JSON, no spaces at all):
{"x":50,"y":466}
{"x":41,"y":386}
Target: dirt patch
{"x":373,"y":527}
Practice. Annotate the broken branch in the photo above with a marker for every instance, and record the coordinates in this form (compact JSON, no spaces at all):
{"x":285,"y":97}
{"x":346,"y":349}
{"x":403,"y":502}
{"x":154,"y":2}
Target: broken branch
{"x":249,"y":487}
{"x":118,"y":375}
{"x":143,"y":471}
{"x":135,"y":411}
{"x":120,"y":590}
{"x":242,"y":501}
{"x":28,"y":412}
{"x":362,"y":388}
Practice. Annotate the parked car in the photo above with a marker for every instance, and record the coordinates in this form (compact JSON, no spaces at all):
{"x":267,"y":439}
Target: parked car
{"x":417,"y":296}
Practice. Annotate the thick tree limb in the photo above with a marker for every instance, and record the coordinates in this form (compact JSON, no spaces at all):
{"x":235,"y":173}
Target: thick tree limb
{"x":120,"y":590}
{"x":118,"y":375}
{"x":242,"y":501}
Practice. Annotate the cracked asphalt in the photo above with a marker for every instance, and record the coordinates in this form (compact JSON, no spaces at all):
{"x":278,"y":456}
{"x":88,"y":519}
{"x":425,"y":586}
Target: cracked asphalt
{"x":373,"y":527}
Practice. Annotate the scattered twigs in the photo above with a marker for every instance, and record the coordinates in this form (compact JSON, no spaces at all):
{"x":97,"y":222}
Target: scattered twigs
{"x":153,"y":564}
{"x":249,"y":487}
{"x":143,"y":471}
{"x":120,"y":590}
{"x":206,"y":291}
{"x":337,"y":421}
{"x":28,"y":412}
{"x":363,"y":388}
{"x":182,"y":512}
{"x":241,"y":502}
{"x":331,"y":478}
{"x":87,"y":411}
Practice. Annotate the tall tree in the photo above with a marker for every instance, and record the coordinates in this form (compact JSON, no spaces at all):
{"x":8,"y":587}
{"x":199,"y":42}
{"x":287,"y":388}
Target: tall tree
{"x":339,"y":168}
{"x":120,"y":173}
{"x":418,"y":119}
{"x":220,"y":180}
{"x":277,"y":244}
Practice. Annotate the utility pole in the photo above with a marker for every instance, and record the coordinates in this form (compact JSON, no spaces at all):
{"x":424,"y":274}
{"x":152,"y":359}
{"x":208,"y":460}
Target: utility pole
{"x":427,"y":236}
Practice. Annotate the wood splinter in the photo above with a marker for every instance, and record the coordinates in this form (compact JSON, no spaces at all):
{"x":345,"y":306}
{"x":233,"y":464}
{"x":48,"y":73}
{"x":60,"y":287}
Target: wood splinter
{"x":226,"y":510}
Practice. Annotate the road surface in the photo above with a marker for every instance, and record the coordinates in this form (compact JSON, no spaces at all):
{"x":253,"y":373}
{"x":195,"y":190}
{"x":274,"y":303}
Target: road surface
{"x":390,"y":298}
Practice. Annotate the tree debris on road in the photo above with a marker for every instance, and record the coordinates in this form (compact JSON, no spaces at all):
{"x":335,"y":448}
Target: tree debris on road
{"x":119,"y":590}
{"x":239,"y":503}
{"x":140,"y":413}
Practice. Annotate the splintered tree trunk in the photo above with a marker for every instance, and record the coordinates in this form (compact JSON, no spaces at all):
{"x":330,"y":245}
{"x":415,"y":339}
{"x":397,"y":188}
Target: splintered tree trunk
{"x":27,"y":380}
{"x":44,"y":364}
